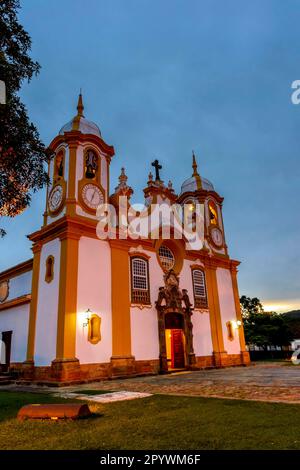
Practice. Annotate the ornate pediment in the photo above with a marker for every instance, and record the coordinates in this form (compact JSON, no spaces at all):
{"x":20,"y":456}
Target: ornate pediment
{"x":171,"y":297}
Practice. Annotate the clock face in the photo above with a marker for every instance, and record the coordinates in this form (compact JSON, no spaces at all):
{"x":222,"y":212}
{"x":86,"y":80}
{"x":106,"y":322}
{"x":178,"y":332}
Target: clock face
{"x":92,"y":196}
{"x":55,"y":198}
{"x":216,"y":236}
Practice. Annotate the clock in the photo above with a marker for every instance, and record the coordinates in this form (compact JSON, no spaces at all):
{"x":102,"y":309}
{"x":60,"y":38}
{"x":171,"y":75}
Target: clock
{"x":55,"y":198}
{"x":92,"y":196}
{"x":216,"y":236}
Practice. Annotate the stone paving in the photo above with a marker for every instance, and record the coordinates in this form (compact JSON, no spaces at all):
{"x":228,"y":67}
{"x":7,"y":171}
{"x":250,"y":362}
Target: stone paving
{"x":105,"y":397}
{"x":274,"y":382}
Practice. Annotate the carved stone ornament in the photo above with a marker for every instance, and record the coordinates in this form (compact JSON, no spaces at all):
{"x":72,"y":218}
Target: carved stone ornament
{"x":172,"y":300}
{"x":4,"y":290}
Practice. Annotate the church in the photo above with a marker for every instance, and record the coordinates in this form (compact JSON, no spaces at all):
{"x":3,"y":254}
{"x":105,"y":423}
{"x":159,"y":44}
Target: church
{"x":85,"y":308}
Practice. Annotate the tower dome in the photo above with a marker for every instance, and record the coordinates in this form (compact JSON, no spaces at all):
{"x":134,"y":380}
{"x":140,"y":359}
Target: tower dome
{"x":80,"y":123}
{"x":196,"y":181}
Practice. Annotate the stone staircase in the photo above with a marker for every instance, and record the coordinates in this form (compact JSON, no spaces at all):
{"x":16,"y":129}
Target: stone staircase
{"x":5,"y":378}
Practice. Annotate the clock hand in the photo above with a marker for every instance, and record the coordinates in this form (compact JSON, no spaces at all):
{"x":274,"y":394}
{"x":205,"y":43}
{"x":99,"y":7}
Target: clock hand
{"x":93,"y":195}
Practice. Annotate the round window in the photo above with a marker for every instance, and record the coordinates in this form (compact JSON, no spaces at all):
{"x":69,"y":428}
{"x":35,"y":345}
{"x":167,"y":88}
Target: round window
{"x":166,"y":257}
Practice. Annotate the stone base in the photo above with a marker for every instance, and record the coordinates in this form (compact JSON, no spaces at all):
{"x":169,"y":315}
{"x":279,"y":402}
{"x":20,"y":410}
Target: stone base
{"x":204,"y":362}
{"x":245,"y":356}
{"x":220,"y":359}
{"x":66,"y":372}
{"x":149,"y":367}
{"x":122,"y":366}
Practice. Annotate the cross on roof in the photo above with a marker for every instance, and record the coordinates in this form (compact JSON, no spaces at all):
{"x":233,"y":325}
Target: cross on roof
{"x":157,"y":167}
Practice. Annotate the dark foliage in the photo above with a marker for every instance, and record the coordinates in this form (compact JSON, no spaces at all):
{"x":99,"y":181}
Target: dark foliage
{"x":22,"y":154}
{"x":263,"y":328}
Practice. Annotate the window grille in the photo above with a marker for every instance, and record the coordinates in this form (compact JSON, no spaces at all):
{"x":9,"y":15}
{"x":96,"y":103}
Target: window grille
{"x":166,"y":257}
{"x":200,"y":294}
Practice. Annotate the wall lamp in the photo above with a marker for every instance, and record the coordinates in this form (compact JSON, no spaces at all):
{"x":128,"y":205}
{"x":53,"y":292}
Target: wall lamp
{"x":87,"y":317}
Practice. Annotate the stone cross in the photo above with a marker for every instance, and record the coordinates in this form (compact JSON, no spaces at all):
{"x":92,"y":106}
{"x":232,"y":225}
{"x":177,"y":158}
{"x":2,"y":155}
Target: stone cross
{"x":157,"y":167}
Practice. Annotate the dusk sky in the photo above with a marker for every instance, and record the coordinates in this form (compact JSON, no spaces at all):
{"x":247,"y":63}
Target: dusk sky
{"x":163,"y":77}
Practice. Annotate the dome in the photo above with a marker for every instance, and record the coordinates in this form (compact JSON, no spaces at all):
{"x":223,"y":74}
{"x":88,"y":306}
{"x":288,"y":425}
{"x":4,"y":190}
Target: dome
{"x":196,"y":181}
{"x":79,"y":123}
{"x":82,"y":125}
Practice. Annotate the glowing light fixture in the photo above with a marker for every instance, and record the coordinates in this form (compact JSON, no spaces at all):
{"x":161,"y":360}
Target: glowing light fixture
{"x":87,"y":317}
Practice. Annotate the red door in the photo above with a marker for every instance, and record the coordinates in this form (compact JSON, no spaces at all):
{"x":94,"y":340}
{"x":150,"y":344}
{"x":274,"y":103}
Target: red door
{"x":177,"y":349}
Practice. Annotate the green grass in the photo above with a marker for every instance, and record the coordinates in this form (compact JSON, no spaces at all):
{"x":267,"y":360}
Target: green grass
{"x":157,"y":422}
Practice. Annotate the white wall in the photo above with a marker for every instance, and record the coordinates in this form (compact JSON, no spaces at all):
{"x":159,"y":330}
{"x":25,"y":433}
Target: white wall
{"x":19,"y":285}
{"x":227,"y":307}
{"x":144,"y":324}
{"x":94,"y":292}
{"x":16,"y":319}
{"x":46,"y":322}
{"x":201,"y":325}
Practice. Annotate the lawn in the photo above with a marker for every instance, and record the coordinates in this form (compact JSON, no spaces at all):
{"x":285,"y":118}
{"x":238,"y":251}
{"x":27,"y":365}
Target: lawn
{"x":157,"y":422}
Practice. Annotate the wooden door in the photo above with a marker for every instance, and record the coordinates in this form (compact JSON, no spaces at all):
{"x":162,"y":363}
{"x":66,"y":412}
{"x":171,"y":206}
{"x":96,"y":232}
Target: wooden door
{"x":177,"y":349}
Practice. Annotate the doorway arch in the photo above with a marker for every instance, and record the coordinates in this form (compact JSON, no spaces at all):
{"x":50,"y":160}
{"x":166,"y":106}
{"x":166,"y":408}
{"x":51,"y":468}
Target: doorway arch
{"x":174,"y":313}
{"x":175,"y":340}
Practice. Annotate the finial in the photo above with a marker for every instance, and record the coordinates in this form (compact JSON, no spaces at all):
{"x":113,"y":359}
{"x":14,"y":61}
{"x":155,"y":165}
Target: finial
{"x":123,"y":177}
{"x":80,"y":106}
{"x":170,"y":186}
{"x":195,"y":166}
{"x":157,"y":167}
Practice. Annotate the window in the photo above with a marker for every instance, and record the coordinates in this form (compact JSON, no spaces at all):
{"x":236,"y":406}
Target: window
{"x":49,"y":275}
{"x":200,"y":295}
{"x":59,"y":165}
{"x":166,"y":257}
{"x":91,"y":165}
{"x":140,"y":292}
{"x":213,"y":213}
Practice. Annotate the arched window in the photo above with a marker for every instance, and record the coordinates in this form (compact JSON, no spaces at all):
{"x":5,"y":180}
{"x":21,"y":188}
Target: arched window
{"x":91,"y":165}
{"x":140,"y":292}
{"x":213,"y":213}
{"x":199,"y":285}
{"x":59,"y":165}
{"x":49,"y":275}
{"x":166,"y":257}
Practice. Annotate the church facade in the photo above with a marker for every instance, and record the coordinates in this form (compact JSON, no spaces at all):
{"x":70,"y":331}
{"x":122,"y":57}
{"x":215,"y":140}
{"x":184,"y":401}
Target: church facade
{"x":85,"y":308}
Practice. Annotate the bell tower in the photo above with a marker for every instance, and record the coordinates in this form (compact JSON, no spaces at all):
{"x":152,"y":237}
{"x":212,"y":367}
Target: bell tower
{"x":79,"y":182}
{"x":79,"y":170}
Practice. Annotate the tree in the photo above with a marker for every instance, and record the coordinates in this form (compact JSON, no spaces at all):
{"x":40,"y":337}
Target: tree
{"x":263,"y":328}
{"x":22,"y":154}
{"x":250,"y":306}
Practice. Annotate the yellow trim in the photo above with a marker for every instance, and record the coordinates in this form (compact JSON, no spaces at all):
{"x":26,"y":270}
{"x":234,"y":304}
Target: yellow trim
{"x":67,"y":299}
{"x":23,"y":299}
{"x":120,"y":285}
{"x":214,"y":310}
{"x":71,"y":198}
{"x":34,"y":301}
{"x":16,"y":270}
{"x":94,"y":336}
{"x":238,"y":308}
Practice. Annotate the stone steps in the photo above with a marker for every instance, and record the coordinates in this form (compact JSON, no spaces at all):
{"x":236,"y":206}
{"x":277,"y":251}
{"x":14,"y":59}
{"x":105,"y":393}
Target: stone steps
{"x":5,"y":379}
